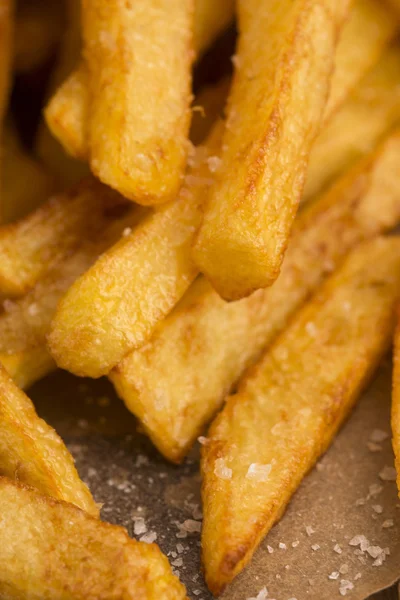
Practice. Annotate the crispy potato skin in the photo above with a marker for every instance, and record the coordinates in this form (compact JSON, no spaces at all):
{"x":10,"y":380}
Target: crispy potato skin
{"x":291,"y":404}
{"x":33,"y":453}
{"x":163,"y":382}
{"x":396,"y":399}
{"x":73,"y":556}
{"x":66,"y":113}
{"x":139,"y":57}
{"x":28,"y":365}
{"x":371,"y":110}
{"x":141,"y":278}
{"x":271,"y":123}
{"x":373,"y":25}
{"x":30,"y":247}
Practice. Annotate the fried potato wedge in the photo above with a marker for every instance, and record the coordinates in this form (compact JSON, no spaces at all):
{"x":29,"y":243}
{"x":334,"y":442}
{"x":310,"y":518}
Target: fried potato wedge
{"x":33,"y":453}
{"x":38,"y":27}
{"x":25,"y":182}
{"x":30,"y":247}
{"x":373,"y":25}
{"x":371,"y":110}
{"x":395,"y":420}
{"x":139,"y":57}
{"x":67,"y":111}
{"x":163,"y":383}
{"x":25,"y":322}
{"x":285,"y":48}
{"x":142,"y":278}
{"x":73,"y":556}
{"x":287,"y":410}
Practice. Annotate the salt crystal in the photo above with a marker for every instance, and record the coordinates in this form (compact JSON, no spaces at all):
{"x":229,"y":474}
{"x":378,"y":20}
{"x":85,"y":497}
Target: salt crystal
{"x":180,"y":548}
{"x":270,"y":549}
{"x":334,"y":575}
{"x":388,"y":523}
{"x":127,"y":231}
{"x":374,"y":551}
{"x":202,"y":440}
{"x":380,"y":560}
{"x":139,"y":526}
{"x":262,"y":595}
{"x":372,"y":447}
{"x":258,"y":472}
{"x":196,"y":592}
{"x":374,"y":489}
{"x":282,"y":546}
{"x":357,"y":576}
{"x":345,"y":586}
{"x":388,"y":474}
{"x":295,"y":544}
{"x":344,"y":569}
{"x":177,"y":563}
{"x":378,"y":435}
{"x":309,"y":530}
{"x":337,"y":549}
{"x":221,"y":470}
{"x":359,"y":540}
{"x":149,"y":538}
{"x":214,"y":163}
{"x":315,"y":547}
{"x":378,"y":508}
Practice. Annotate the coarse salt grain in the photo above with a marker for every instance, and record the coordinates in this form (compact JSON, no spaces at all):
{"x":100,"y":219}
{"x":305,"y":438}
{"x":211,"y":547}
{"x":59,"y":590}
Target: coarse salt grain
{"x":180,"y":548}
{"x":221,"y":470}
{"x":127,"y":231}
{"x":149,"y":538}
{"x":388,"y":523}
{"x":270,"y":549}
{"x":360,"y":540}
{"x":357,"y":576}
{"x":282,"y":546}
{"x":374,"y":489}
{"x":372,"y":447}
{"x":378,"y":436}
{"x":375,"y":551}
{"x":388,"y":474}
{"x":139,"y":526}
{"x":315,"y":547}
{"x":337,"y":549}
{"x":345,"y":586}
{"x":334,"y":575}
{"x":309,"y":530}
{"x":262,"y":595}
{"x":258,"y":472}
{"x":202,"y":440}
{"x":214,"y":163}
{"x":344,"y":569}
{"x":177,"y":563}
{"x":378,"y":508}
{"x":295,"y":544}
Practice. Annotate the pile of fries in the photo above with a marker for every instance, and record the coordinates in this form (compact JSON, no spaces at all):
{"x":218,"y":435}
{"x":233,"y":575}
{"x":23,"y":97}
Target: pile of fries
{"x":230,"y":270}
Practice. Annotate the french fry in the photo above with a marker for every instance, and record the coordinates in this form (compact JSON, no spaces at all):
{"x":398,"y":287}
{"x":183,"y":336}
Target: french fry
{"x":30,"y":247}
{"x":285,"y":49}
{"x":25,"y":322}
{"x":25,"y":182}
{"x":287,"y":410}
{"x":68,"y":170}
{"x":372,"y":109}
{"x":38,"y":27}
{"x":67,"y":111}
{"x":89,"y":336}
{"x":177,"y":382}
{"x":139,"y":57}
{"x":33,"y":453}
{"x":373,"y":25}
{"x":395,"y":420}
{"x":73,"y":556}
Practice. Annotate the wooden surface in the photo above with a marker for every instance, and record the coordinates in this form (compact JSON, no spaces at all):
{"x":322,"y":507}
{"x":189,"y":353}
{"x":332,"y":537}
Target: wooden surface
{"x":391,"y":594}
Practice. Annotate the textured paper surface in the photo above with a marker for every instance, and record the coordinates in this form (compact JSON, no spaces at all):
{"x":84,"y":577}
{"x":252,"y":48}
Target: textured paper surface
{"x":141,"y":491}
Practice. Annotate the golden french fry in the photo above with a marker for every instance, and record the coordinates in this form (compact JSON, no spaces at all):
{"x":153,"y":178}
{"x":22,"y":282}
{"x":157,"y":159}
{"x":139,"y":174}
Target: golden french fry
{"x":67,"y":169}
{"x":67,"y":111}
{"x":177,"y":382}
{"x":38,"y":27}
{"x":373,"y":25}
{"x":30,"y":247}
{"x":285,"y":49}
{"x":287,"y":410}
{"x":25,"y":322}
{"x":33,"y":453}
{"x":395,"y":420}
{"x":89,"y":336}
{"x":139,"y":57}
{"x":371,"y":110}
{"x":25,"y":182}
{"x":51,"y":549}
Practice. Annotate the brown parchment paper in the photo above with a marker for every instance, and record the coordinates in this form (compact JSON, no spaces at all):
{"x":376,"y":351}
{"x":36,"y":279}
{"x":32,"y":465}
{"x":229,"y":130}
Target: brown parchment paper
{"x":342,"y":498}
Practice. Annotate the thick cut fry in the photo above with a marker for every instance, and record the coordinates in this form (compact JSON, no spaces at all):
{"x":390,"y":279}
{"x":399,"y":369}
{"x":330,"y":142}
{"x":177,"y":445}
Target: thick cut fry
{"x":396,"y":399}
{"x":67,"y":111}
{"x":164,"y":382}
{"x":25,"y":323}
{"x":287,"y":410}
{"x":373,"y":25}
{"x":25,"y":183}
{"x":371,"y":110}
{"x":38,"y":27}
{"x":51,"y":550}
{"x":68,"y":170}
{"x":139,"y":58}
{"x":30,"y":247}
{"x":142,"y":278}
{"x":28,"y":365}
{"x":285,"y":49}
{"x":33,"y":453}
